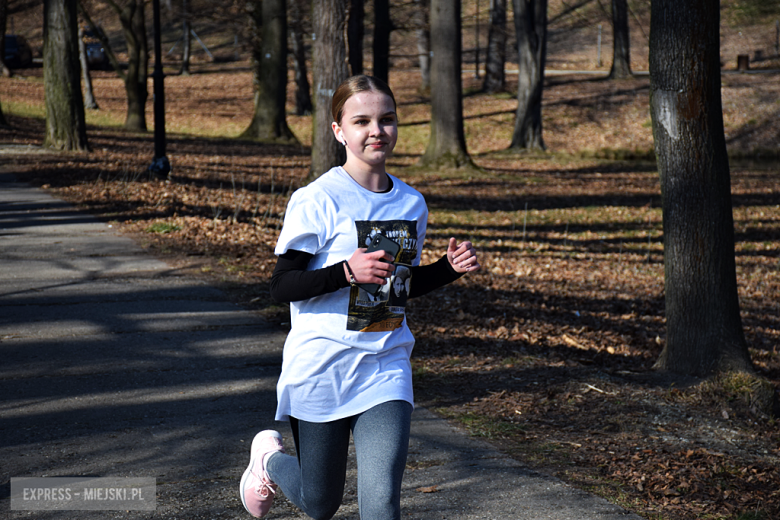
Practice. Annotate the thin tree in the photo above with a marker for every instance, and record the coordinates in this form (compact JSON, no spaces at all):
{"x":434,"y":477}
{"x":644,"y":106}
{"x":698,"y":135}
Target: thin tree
{"x":355,"y":32}
{"x":134,"y":29}
{"x":704,"y":328}
{"x":422,"y":32}
{"x":65,"y":125}
{"x":531,"y":30}
{"x":89,"y":93}
{"x":495,"y":80}
{"x":3,"y":122}
{"x":329,"y":60}
{"x":269,"y":71}
{"x":447,"y":145}
{"x":131,"y":17}
{"x":186,"y":38}
{"x":382,"y":27}
{"x":5,"y":71}
{"x":621,"y":55}
{"x":303,"y":104}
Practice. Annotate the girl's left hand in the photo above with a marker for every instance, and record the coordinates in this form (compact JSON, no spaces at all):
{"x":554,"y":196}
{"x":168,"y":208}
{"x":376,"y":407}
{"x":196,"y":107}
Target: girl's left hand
{"x":462,"y":257}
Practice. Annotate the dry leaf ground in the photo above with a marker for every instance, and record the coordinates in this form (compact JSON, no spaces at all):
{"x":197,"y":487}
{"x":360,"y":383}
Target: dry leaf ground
{"x":548,"y":350}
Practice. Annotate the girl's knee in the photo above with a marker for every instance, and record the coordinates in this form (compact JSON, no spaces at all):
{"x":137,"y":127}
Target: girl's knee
{"x":325,"y":512}
{"x":380,"y":503}
{"x":380,"y":509}
{"x":322,"y":508}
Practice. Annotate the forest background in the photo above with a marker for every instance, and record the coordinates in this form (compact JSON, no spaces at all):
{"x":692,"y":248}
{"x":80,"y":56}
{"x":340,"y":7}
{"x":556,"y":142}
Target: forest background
{"x":548,"y":351}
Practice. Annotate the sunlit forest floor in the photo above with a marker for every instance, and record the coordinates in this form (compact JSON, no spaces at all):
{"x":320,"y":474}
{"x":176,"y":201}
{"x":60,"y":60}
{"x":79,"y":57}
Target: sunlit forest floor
{"x":547,"y":351}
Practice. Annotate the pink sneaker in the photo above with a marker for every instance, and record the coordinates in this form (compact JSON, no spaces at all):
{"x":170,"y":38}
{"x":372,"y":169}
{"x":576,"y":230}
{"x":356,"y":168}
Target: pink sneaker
{"x":257,"y":490}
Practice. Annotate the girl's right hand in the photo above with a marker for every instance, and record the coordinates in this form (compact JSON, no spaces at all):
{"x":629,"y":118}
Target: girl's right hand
{"x":369,"y":267}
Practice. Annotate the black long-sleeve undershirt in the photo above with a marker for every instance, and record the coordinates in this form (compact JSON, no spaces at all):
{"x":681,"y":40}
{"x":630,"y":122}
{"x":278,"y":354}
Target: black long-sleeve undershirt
{"x":292,"y":282}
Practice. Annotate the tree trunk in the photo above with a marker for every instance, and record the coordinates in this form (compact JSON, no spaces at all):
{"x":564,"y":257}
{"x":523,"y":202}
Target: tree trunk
{"x":382,"y":28}
{"x":5,"y":71}
{"x":186,"y":38}
{"x":704,"y":328}
{"x":621,"y":60}
{"x":355,"y":36}
{"x":3,"y":122}
{"x":303,"y":104}
{"x":447,"y":145}
{"x":65,"y":125}
{"x":269,"y":64}
{"x":531,"y":29}
{"x":496,"y":53}
{"x":141,"y":58}
{"x":423,"y":33}
{"x":131,"y":16}
{"x":329,"y":59}
{"x":89,"y":94}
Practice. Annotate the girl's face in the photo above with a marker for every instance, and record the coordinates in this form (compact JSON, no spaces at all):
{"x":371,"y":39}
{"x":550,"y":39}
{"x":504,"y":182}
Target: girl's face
{"x":398,"y":285}
{"x":369,"y":126}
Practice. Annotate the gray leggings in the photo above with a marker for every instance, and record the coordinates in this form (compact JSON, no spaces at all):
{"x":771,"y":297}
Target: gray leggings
{"x":315,"y":480}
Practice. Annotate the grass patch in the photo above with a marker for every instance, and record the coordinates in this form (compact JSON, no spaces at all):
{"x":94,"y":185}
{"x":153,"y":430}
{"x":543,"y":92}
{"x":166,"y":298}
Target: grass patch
{"x":163,"y":228}
{"x":484,"y":426}
{"x":35,"y":111}
{"x":619,"y":154}
{"x":104,"y":119}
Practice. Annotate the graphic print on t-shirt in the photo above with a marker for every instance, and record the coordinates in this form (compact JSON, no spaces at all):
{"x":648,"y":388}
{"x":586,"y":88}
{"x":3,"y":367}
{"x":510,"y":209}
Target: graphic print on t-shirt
{"x":385,"y":311}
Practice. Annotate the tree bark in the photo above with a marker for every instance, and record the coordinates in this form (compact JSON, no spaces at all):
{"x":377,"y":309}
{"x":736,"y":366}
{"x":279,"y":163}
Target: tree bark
{"x":89,"y":93}
{"x":382,"y":28}
{"x":621,"y":44}
{"x":131,"y":17}
{"x":495,"y":80}
{"x":303,"y":104}
{"x":65,"y":125}
{"x":186,"y":39}
{"x":531,"y":29}
{"x":704,"y":328}
{"x":447,"y":145}
{"x":355,"y":32}
{"x":134,"y":27}
{"x":5,"y":71}
{"x":423,"y":33}
{"x":269,"y":64}
{"x":329,"y":60}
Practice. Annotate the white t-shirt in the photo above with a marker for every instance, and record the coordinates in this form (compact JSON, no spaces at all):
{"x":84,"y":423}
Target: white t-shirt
{"x":348,"y":351}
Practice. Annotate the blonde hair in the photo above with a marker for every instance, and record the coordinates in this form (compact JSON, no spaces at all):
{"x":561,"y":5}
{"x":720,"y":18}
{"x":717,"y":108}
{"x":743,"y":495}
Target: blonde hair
{"x":354,"y":85}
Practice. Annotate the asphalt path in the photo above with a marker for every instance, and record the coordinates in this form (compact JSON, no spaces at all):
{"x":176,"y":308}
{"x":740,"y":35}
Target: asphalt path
{"x":115,"y":364}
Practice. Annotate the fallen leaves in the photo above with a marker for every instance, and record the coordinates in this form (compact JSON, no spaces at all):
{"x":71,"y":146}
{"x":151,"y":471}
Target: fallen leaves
{"x":573,"y":342}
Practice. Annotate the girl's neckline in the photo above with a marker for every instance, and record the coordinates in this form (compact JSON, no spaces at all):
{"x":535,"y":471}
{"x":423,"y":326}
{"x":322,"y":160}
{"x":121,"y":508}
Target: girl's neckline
{"x":386,"y":190}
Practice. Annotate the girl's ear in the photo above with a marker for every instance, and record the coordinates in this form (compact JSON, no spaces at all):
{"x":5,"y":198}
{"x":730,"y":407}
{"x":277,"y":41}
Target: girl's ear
{"x":337,"y":132}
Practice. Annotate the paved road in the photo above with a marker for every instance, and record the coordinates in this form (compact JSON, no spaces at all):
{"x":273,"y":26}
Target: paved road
{"x":116,"y":365}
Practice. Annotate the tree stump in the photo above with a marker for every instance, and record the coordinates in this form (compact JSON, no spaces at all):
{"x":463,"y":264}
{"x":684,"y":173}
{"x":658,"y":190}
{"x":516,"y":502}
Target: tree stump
{"x":743,"y":62}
